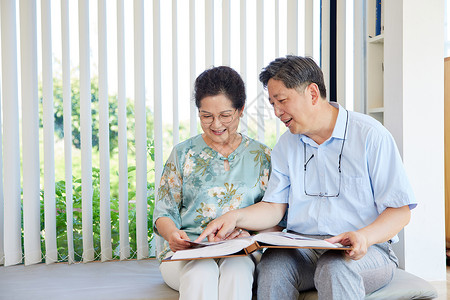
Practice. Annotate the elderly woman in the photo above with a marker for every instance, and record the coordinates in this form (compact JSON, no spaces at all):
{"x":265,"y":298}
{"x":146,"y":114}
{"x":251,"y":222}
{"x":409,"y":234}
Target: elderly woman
{"x":206,"y":176}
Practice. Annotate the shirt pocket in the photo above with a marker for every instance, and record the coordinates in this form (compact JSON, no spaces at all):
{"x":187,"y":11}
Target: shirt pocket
{"x":356,"y":190}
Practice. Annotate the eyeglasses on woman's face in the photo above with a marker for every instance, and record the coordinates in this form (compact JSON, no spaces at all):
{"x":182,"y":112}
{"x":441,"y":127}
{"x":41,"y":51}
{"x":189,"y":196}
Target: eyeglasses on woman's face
{"x":225,"y":117}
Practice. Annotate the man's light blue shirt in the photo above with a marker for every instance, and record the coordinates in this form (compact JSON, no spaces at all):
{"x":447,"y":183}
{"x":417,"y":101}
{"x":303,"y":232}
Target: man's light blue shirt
{"x":372,"y":178}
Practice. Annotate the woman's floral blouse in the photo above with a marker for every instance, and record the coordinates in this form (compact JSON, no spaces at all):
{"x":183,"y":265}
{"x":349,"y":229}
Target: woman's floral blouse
{"x":195,"y":188}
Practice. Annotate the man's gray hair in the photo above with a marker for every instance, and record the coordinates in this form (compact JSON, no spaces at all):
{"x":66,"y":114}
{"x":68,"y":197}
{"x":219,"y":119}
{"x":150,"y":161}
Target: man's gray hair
{"x":296,"y":72}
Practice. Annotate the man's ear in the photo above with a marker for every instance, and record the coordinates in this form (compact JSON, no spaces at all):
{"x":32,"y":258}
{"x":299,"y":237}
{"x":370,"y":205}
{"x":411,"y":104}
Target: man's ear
{"x":313,"y":92}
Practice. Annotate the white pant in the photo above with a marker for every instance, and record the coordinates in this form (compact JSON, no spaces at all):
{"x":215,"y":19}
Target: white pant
{"x":223,"y":279}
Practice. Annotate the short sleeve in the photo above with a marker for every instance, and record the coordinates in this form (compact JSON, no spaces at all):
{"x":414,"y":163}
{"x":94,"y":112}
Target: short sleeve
{"x":279,"y":183}
{"x":391,"y":187}
{"x":168,"y":200}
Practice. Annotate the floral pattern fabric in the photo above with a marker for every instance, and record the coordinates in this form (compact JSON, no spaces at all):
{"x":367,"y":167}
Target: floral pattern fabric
{"x":195,"y":188}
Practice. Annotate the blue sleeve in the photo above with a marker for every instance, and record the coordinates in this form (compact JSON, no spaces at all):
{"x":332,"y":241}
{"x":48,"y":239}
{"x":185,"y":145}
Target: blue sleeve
{"x":279,"y":182}
{"x":390,"y":184}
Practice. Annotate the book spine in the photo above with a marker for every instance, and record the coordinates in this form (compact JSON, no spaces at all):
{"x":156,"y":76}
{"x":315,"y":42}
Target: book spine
{"x":378,"y":17}
{"x":382,"y":17}
{"x":253,"y":247}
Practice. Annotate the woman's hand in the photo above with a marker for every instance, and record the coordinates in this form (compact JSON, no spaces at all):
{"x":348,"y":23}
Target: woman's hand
{"x":238,"y":232}
{"x":177,"y":240}
{"x":176,"y":237}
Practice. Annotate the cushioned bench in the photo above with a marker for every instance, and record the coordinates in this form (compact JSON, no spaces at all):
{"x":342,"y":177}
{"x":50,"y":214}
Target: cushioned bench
{"x":403,"y":286}
{"x":140,"y":279}
{"x":133,"y":279}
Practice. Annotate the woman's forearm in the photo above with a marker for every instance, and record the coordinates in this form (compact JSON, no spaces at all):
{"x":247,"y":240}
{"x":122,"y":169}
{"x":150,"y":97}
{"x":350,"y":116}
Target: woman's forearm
{"x":165,"y":227}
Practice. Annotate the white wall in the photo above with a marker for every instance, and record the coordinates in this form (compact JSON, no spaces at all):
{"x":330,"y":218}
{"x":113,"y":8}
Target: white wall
{"x":414,"y":113}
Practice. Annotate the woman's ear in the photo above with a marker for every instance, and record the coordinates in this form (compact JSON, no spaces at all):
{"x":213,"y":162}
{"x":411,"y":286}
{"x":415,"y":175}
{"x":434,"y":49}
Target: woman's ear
{"x":241,"y":111}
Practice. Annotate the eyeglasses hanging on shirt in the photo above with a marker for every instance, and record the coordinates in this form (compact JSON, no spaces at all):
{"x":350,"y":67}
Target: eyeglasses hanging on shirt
{"x":305,"y":164}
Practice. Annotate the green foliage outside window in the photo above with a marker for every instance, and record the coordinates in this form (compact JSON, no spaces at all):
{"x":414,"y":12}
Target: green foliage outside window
{"x":61,"y":217}
{"x":113,"y":119}
{"x":60,"y":190}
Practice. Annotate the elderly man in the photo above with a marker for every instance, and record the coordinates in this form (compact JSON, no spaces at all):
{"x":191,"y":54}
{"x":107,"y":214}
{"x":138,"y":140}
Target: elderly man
{"x":338,"y":176}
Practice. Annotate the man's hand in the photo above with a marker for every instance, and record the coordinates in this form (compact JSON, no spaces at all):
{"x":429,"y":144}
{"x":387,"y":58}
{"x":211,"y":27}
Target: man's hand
{"x":177,"y":240}
{"x":356,"y":240}
{"x":385,"y":226}
{"x":220,"y":228}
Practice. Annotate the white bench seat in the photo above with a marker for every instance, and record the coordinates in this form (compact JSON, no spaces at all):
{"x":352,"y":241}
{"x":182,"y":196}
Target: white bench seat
{"x":403,"y":286}
{"x":141,"y":279}
{"x":132,"y":279}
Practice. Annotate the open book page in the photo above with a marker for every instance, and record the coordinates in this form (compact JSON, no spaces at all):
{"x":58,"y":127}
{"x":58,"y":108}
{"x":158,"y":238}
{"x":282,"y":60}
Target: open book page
{"x":246,"y":245}
{"x":292,"y":240}
{"x":202,"y":244}
{"x":215,"y":249}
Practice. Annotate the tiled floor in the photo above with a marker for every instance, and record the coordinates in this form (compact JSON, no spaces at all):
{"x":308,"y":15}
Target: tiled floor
{"x":443,"y":287}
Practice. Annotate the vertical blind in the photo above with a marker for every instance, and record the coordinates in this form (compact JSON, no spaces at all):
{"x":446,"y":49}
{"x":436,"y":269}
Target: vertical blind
{"x":12,"y":215}
{"x":122,"y":124}
{"x":48,"y":121}
{"x":105,"y":213}
{"x":30,"y":137}
{"x":67,"y":116}
{"x":179,"y":38}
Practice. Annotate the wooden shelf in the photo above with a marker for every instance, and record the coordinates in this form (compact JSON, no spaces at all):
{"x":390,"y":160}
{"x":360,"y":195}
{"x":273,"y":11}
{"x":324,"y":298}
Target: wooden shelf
{"x":376,"y":110}
{"x":379,"y":39}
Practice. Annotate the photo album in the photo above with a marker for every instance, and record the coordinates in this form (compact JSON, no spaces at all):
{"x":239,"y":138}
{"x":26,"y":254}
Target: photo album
{"x":246,"y":245}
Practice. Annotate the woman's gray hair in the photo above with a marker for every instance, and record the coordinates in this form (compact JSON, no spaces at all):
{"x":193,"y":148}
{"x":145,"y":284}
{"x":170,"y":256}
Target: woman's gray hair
{"x":296,"y":72}
{"x":220,"y":80}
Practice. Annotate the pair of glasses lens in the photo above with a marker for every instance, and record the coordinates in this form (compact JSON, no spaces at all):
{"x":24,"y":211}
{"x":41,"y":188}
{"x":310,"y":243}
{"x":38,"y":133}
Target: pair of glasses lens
{"x":224,"y":118}
{"x":305,"y":164}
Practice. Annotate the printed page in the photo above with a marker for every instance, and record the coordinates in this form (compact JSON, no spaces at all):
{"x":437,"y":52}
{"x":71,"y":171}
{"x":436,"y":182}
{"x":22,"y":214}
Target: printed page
{"x":293,"y":240}
{"x":202,"y":244}
{"x":215,"y":249}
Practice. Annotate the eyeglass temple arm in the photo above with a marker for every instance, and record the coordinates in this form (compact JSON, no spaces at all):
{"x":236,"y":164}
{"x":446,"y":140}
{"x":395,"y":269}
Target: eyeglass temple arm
{"x":306,"y":163}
